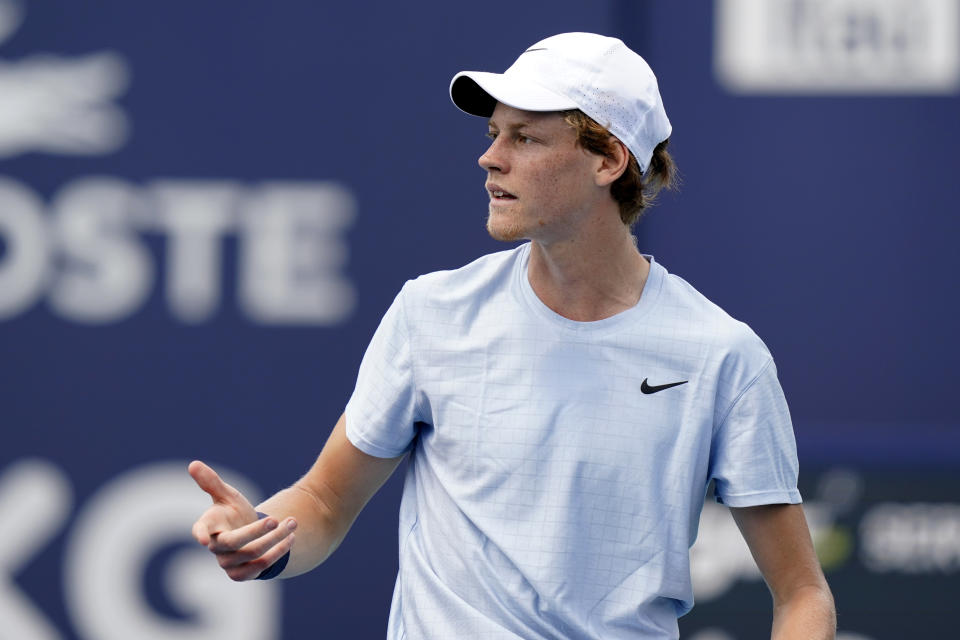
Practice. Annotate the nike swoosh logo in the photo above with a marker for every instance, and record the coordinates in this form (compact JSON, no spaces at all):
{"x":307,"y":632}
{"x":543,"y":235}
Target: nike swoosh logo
{"x":648,"y":389}
{"x":538,"y":49}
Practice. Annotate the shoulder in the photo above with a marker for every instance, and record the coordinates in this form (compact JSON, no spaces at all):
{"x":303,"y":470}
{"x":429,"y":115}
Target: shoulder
{"x":474,"y":281}
{"x":693,"y":314}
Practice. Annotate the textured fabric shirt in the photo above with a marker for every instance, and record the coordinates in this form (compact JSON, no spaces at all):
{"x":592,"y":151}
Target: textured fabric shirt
{"x":547,"y":495}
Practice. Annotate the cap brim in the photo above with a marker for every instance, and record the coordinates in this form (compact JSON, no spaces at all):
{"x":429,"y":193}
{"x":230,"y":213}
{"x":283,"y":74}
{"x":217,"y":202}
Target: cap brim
{"x":478,"y":92}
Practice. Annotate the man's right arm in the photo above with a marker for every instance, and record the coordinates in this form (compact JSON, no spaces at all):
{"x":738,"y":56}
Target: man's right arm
{"x":320,"y":507}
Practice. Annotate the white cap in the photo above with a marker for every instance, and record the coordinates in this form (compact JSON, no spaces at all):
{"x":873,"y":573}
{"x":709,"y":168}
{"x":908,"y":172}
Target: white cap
{"x":593,"y":73}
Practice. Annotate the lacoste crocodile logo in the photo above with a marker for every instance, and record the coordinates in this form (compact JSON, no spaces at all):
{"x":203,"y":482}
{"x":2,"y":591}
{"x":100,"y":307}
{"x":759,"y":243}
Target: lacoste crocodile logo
{"x":60,"y":104}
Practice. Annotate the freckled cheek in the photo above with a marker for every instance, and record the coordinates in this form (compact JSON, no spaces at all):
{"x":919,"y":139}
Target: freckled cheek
{"x":552,"y":182}
{"x":557,"y":185}
{"x":549,"y":176}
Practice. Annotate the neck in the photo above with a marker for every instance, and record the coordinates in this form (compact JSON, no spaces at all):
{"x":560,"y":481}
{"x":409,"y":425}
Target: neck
{"x":590,"y":275}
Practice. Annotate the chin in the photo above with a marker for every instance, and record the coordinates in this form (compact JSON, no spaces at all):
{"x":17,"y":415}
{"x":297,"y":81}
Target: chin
{"x":504,"y":231}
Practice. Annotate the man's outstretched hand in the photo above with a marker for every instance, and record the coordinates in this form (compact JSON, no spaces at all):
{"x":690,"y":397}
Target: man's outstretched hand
{"x":244,"y":544}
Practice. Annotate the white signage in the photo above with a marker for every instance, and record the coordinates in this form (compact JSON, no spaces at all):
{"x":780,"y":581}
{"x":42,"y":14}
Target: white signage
{"x":109,"y":546}
{"x":86,"y":252}
{"x":838,"y":46}
{"x":57,"y":104}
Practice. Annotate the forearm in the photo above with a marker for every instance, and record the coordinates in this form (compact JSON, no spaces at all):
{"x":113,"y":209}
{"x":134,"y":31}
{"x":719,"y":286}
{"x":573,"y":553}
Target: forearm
{"x":320,"y":529}
{"x":808,"y":615}
{"x":327,"y":500}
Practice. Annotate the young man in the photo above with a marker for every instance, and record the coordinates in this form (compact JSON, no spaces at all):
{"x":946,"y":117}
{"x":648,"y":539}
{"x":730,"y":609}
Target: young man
{"x":565,"y":404}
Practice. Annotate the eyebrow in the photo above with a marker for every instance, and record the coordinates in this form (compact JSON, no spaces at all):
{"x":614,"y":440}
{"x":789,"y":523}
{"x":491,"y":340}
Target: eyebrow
{"x":516,"y":126}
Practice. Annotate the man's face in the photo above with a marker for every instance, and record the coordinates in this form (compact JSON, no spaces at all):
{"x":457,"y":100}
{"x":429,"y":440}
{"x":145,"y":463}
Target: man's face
{"x":540,"y":182}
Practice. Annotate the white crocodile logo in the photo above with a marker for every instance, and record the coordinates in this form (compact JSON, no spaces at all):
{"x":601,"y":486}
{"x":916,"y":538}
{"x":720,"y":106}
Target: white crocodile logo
{"x":56,"y":104}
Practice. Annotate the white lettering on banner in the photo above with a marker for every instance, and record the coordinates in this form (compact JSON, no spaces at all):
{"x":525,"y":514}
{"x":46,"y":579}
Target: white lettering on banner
{"x":291,"y":256}
{"x":117,"y":532}
{"x":911,"y":538}
{"x":35,"y":501}
{"x":107,"y":553}
{"x":107,"y":272}
{"x":11,"y":15}
{"x":23,"y":264}
{"x":89,"y":256}
{"x":838,"y":46}
{"x":195,"y":216}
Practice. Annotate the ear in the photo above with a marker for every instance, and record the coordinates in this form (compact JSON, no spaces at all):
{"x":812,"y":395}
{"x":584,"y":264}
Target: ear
{"x":612,"y":166}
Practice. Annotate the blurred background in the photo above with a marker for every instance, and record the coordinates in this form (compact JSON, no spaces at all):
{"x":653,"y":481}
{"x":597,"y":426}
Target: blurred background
{"x":205,"y":207}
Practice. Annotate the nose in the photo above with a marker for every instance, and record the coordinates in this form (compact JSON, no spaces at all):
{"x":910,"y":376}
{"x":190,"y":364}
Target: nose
{"x":494,"y":159}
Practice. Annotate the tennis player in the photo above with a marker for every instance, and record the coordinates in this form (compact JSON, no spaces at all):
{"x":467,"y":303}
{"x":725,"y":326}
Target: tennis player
{"x":564,"y":404}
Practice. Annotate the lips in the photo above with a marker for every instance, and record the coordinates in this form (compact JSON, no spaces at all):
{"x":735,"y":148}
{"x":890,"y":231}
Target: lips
{"x":499,"y":193}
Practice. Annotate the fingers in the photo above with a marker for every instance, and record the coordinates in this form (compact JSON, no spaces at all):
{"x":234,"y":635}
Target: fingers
{"x":200,"y":532}
{"x":251,"y":559}
{"x":208,"y":480}
{"x":215,"y":521}
{"x":230,"y":509}
{"x":250,"y":570}
{"x":243,"y":544}
{"x":238,"y":538}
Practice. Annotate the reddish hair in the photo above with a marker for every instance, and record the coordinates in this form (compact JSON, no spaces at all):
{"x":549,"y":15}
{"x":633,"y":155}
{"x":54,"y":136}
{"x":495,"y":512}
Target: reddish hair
{"x":634,"y":191}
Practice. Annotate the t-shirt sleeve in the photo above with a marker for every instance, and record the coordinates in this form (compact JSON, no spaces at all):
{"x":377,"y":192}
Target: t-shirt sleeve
{"x":381,"y":413}
{"x":753,"y":459}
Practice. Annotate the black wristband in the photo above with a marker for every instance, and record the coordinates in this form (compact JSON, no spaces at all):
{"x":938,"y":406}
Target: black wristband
{"x":277,"y":567}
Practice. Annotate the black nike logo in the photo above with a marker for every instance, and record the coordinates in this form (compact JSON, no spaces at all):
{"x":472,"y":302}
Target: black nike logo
{"x":648,"y":389}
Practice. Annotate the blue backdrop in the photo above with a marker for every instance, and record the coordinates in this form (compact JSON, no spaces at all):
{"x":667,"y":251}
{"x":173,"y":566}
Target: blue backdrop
{"x":206,"y":207}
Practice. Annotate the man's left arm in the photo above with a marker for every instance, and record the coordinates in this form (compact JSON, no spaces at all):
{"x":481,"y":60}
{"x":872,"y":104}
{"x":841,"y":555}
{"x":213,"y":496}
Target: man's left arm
{"x":779,"y":539}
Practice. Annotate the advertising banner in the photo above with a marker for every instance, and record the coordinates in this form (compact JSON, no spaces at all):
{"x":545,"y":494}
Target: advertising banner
{"x":206,"y":208}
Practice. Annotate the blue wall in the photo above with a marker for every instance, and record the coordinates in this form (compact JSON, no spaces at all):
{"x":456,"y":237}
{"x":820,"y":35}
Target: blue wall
{"x":206,"y":207}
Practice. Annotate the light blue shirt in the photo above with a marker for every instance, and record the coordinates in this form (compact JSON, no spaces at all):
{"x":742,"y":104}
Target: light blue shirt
{"x":549,"y":496}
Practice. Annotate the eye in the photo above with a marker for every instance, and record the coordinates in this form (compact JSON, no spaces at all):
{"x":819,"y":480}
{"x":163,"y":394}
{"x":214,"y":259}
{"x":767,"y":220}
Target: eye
{"x":492,"y":135}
